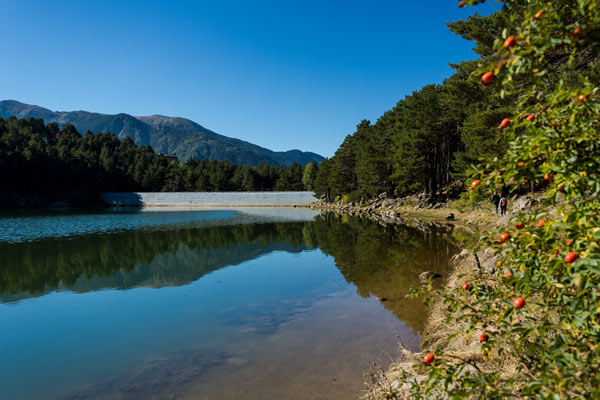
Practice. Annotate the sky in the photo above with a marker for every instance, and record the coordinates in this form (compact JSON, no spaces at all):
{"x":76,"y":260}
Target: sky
{"x":280,"y":74}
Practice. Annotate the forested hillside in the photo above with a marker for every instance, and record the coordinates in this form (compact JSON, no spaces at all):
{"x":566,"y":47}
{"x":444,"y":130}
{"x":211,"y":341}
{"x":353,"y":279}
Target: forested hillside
{"x":432,"y":136}
{"x":171,"y":135}
{"x":44,"y":163}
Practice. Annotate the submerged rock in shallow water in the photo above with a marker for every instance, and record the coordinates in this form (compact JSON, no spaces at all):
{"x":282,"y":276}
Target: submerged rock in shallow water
{"x":429,"y":274}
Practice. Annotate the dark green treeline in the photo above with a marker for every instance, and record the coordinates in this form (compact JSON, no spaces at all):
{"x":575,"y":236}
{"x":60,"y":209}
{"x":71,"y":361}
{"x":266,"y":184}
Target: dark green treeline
{"x":52,"y":163}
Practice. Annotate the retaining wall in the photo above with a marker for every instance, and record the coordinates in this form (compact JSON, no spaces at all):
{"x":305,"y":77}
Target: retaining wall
{"x":209,"y":198}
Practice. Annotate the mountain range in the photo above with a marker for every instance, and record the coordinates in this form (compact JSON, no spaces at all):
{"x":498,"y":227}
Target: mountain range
{"x":168,"y":135}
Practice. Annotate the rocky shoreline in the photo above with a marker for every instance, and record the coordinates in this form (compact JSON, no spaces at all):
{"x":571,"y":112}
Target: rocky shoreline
{"x":383,"y":209}
{"x":394,"y":210}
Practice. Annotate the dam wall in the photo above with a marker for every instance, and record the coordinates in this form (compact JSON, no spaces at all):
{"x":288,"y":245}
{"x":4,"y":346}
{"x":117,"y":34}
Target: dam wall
{"x":208,"y":199}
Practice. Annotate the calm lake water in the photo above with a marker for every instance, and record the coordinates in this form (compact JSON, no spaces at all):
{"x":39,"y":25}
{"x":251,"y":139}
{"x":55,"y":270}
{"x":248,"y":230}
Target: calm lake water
{"x":204,"y":304}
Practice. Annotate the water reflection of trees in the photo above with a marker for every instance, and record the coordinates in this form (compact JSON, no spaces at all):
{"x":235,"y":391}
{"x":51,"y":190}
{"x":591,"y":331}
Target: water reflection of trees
{"x":132,"y":258}
{"x":385,"y":261}
{"x":380,"y":261}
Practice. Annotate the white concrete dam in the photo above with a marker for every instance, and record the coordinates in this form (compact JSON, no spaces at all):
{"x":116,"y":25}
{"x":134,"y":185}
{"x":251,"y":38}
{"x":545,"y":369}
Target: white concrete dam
{"x":208,"y":199}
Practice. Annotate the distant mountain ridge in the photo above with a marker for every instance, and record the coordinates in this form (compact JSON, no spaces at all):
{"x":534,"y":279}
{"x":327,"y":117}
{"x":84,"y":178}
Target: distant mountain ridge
{"x":168,"y":135}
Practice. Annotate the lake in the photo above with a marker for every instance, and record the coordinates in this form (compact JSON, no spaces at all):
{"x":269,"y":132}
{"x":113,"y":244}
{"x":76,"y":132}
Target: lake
{"x":161,"y":303}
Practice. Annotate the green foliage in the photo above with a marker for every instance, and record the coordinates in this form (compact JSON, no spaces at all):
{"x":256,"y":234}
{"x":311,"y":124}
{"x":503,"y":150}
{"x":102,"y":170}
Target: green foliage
{"x":374,"y":156}
{"x":309,"y":174}
{"x":426,"y":143}
{"x":323,"y":185}
{"x":344,"y":164}
{"x":553,"y":260}
{"x":290,"y":179}
{"x":484,"y":30}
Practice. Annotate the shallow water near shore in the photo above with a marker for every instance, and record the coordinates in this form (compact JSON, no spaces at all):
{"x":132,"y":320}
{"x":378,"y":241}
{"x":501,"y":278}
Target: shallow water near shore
{"x":205,"y":304}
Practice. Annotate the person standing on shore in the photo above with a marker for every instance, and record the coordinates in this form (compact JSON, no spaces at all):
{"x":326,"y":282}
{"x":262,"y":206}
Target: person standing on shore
{"x":503,"y":204}
{"x":496,"y":201}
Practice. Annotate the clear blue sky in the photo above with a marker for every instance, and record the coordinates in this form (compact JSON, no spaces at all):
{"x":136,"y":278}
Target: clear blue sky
{"x":281,"y":74}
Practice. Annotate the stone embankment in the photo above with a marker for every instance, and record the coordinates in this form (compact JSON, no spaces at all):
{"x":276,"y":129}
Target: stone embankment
{"x":209,"y":199}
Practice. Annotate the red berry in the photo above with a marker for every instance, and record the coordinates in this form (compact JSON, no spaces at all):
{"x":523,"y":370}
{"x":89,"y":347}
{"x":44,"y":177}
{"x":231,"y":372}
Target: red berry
{"x":474,"y":184}
{"x":499,"y":264}
{"x":577,"y":33}
{"x":466,"y":286}
{"x":505,"y":237}
{"x":508,"y":275}
{"x":519,"y":302}
{"x":488,"y":77}
{"x":510,"y":42}
{"x":505,"y":122}
{"x":428,"y":359}
{"x":530,"y":117}
{"x":520,"y":225}
{"x":511,"y":294}
{"x":539,"y":14}
{"x":561,"y":187}
{"x":521,"y":165}
{"x":484,"y":338}
{"x":548,"y":177}
{"x":571,"y":256}
{"x":582,"y":97}
{"x":462,"y":4}
{"x":542,"y":222}
{"x":555,"y":252}
{"x":569,"y":242}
